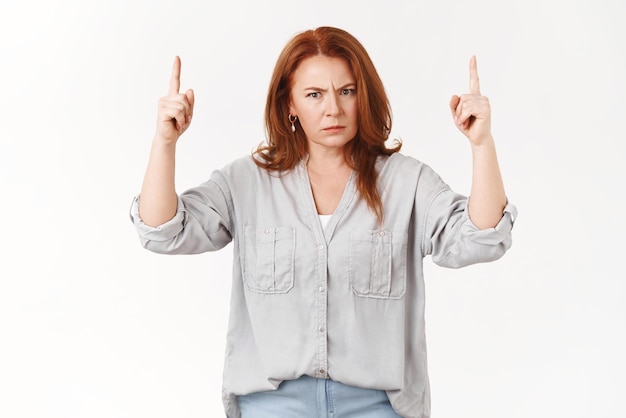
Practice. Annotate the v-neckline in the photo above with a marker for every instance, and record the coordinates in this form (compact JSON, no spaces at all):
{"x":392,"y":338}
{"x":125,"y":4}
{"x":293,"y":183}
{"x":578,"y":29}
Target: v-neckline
{"x":347,"y":196}
{"x":326,"y":194}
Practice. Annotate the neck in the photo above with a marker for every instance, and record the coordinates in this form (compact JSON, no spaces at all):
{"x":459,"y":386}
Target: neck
{"x":327,"y":163}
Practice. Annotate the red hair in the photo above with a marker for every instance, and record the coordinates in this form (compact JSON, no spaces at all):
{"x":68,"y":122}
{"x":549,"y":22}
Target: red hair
{"x":284,"y":148}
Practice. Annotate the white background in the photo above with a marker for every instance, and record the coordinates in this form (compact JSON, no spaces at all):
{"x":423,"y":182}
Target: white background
{"x":92,"y":325}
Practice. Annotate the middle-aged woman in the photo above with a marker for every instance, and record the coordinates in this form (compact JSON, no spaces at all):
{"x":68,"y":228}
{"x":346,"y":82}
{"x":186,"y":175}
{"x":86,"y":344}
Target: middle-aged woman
{"x":329,"y":228}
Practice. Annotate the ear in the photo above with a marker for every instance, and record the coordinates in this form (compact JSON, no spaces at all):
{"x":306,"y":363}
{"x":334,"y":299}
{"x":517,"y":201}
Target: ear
{"x":292,"y":111}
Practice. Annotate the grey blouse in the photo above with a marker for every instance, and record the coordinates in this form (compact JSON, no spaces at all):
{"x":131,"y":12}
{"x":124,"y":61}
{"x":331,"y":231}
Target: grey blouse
{"x":344,"y":302}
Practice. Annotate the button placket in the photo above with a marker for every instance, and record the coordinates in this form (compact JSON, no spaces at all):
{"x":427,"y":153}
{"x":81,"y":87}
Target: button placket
{"x":322,"y":310}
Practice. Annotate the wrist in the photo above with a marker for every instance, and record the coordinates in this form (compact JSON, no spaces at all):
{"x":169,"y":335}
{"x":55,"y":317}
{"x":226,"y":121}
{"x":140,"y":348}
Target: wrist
{"x":163,"y":144}
{"x":483,"y":144}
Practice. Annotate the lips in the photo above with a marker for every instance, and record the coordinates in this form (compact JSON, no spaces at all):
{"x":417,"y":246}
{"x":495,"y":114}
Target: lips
{"x":335,"y":128}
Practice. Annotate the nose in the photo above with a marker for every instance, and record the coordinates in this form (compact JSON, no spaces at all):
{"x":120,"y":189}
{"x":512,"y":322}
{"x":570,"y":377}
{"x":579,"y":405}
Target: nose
{"x":332,"y":105}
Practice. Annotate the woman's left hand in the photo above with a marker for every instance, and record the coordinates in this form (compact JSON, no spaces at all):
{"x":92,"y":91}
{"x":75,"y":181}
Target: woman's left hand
{"x":471,"y":112}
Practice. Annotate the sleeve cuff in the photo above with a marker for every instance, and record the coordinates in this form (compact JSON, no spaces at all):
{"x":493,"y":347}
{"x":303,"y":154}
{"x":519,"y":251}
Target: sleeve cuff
{"x":163,"y":232}
{"x":491,"y":236}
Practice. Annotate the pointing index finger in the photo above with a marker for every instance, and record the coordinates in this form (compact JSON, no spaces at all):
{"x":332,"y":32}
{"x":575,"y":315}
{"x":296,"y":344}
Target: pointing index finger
{"x":175,"y":77}
{"x":474,"y":85}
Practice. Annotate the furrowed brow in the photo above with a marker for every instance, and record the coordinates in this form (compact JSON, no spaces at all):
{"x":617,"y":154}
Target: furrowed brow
{"x":345,"y":86}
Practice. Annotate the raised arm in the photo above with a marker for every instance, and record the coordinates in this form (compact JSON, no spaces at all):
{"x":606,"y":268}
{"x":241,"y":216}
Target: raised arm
{"x":158,"y":201}
{"x":472,"y":116}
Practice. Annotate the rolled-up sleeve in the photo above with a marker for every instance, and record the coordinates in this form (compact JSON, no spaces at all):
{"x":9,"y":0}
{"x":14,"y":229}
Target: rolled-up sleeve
{"x":163,"y":232}
{"x":454,"y":241}
{"x":202,"y":223}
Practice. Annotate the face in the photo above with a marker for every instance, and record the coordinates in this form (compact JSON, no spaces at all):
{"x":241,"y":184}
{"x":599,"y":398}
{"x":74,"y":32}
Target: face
{"x":323,"y":97}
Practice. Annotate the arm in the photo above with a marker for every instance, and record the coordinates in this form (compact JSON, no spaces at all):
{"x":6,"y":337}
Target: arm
{"x":158,"y":193}
{"x":487,"y":199}
{"x":472,"y":116}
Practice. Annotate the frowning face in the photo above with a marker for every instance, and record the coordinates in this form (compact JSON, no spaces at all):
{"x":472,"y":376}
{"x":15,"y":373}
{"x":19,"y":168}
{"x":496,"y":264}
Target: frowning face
{"x":323,"y":97}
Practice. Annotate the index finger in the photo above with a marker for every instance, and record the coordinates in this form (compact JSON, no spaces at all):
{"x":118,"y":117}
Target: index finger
{"x":474,"y":85}
{"x":175,"y":77}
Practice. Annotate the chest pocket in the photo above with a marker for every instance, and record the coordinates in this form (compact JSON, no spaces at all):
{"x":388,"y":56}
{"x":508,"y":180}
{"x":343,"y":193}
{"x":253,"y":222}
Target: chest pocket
{"x":268,"y":258}
{"x":377,"y":267}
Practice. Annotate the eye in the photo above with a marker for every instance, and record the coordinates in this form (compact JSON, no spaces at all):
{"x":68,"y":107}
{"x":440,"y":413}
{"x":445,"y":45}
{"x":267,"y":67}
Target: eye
{"x":348,"y":92}
{"x":314,"y":94}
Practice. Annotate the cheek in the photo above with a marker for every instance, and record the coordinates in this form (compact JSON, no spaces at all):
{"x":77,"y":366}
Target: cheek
{"x":354,"y":114}
{"x":308,"y":117}
{"x":307,"y":124}
{"x":305,"y":119}
{"x":352,"y":109}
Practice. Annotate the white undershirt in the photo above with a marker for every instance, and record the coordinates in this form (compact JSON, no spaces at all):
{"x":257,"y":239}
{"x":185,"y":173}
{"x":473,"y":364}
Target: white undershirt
{"x":324,"y":220}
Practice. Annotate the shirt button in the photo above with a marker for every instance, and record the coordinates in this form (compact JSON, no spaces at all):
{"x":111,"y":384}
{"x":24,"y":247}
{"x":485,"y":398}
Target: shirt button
{"x":321,"y":247}
{"x":321,"y":329}
{"x":381,"y":233}
{"x":267,"y":231}
{"x":322,"y":371}
{"x":322,"y":289}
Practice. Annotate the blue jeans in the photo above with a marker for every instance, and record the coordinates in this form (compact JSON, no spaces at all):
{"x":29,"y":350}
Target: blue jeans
{"x":308,"y":397}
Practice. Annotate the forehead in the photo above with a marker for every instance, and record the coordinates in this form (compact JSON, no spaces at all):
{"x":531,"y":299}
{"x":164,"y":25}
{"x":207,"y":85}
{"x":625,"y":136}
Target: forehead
{"x":321,"y":69}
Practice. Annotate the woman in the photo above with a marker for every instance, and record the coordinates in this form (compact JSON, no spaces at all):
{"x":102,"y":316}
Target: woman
{"x":329,"y":230}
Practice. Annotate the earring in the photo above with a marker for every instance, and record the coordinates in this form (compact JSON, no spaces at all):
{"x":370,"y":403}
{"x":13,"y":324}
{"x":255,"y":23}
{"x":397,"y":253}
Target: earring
{"x":293,"y":120}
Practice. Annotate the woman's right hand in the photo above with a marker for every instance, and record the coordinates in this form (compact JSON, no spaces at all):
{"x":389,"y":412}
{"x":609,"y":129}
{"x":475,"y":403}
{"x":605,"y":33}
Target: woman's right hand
{"x":175,"y":110}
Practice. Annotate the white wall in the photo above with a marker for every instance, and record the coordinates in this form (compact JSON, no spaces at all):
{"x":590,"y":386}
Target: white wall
{"x":92,"y":325}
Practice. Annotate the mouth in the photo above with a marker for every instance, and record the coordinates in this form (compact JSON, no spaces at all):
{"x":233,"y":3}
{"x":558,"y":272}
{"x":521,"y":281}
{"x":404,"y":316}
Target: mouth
{"x":336,"y":128}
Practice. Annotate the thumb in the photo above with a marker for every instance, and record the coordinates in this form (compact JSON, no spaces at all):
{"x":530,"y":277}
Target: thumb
{"x":454,"y":102}
{"x":190,"y":98}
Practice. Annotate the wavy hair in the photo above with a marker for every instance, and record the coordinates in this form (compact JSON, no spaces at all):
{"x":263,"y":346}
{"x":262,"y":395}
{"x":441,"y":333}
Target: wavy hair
{"x":284,"y":149}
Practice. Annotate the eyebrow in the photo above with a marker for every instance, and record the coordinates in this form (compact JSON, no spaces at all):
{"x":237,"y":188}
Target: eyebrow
{"x":339,"y":88}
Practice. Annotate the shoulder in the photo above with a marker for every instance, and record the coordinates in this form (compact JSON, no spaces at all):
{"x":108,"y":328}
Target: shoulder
{"x":399,"y":164}
{"x":245,"y":169}
{"x":241,"y":167}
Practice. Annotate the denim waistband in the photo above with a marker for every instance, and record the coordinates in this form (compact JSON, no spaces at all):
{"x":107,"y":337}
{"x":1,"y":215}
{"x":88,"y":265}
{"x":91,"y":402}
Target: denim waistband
{"x":309,"y":397}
